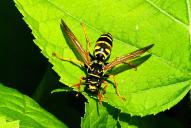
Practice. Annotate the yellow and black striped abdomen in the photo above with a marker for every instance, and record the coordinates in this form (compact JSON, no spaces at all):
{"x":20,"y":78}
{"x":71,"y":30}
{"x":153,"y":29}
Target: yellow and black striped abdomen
{"x":102,"y":49}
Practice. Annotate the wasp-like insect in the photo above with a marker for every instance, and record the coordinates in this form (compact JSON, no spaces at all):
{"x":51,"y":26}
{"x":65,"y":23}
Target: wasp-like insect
{"x":96,"y":64}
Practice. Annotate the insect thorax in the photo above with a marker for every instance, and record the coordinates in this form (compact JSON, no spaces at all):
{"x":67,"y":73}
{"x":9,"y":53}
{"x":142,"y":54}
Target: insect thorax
{"x":94,"y":75}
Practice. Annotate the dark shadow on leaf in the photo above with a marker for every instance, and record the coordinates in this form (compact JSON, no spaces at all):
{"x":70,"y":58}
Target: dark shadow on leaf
{"x":112,"y":110}
{"x":150,"y":121}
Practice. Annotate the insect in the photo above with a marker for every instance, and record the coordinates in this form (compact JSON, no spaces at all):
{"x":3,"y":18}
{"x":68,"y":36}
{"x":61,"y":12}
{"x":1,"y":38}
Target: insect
{"x":96,"y":64}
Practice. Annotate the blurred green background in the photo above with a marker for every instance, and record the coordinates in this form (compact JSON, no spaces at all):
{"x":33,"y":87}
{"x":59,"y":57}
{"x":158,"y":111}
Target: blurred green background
{"x":24,"y":68}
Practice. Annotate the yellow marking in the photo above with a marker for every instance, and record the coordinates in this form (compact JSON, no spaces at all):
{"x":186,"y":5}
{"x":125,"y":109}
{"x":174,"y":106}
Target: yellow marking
{"x":108,"y":51}
{"x":103,"y":42}
{"x":92,"y":87}
{"x":94,"y":75}
{"x":93,"y":82}
{"x":101,"y":63}
{"x":97,"y":47}
{"x":109,"y":34}
{"x":91,"y":69}
{"x":100,"y":71}
{"x":107,"y":37}
{"x":95,"y":61}
{"x":101,"y":53}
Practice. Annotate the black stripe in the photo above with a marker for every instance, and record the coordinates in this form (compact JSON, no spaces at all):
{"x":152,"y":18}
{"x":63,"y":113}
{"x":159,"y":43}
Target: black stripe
{"x":106,"y":39}
{"x":108,"y":34}
{"x":103,"y":45}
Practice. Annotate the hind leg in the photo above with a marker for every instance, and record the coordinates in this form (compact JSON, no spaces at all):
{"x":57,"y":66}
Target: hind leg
{"x":116,"y":87}
{"x":79,"y":84}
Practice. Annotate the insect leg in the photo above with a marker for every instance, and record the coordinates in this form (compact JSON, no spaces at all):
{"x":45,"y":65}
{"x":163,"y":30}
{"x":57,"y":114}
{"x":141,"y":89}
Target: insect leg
{"x":75,"y":61}
{"x":105,"y":87}
{"x":100,"y":97}
{"x":87,"y":39}
{"x":116,"y":87}
{"x":79,"y":84}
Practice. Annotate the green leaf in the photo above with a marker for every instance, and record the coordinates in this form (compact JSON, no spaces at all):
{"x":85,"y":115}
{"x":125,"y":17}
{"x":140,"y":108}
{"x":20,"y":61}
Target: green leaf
{"x":20,"y":110}
{"x":5,"y":124}
{"x":159,"y":83}
{"x":98,"y":116}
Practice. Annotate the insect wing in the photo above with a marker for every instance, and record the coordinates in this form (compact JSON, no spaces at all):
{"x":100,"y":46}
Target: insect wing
{"x":75,"y":43}
{"x":129,"y":56}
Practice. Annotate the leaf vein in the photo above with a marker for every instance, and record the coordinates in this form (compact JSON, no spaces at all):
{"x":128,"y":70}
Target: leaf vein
{"x":189,"y":18}
{"x":167,"y":14}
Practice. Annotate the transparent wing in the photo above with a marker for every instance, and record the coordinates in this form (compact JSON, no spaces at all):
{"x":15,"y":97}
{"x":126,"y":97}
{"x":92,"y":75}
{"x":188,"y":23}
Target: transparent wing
{"x":75,"y":43}
{"x":129,"y":56}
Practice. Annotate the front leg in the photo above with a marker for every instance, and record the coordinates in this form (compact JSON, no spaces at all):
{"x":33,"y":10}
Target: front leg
{"x":101,"y":95}
{"x":79,"y":84}
{"x":75,"y":61}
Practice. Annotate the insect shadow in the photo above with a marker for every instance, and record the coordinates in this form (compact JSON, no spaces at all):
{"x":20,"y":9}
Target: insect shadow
{"x":136,"y":62}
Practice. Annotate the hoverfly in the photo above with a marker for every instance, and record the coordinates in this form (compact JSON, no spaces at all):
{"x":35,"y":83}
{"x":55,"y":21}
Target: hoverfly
{"x":96,"y":64}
